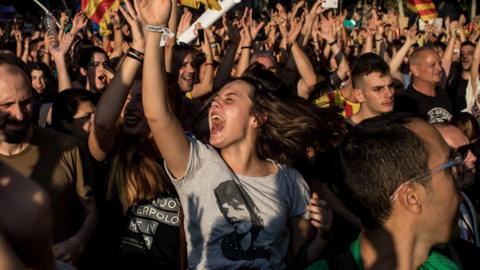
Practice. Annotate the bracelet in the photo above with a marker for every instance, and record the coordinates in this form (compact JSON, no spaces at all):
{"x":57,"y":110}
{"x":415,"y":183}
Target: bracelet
{"x":378,"y":40}
{"x":136,"y":52}
{"x":246,"y":47}
{"x":155,"y":28}
{"x":166,"y":33}
{"x":131,"y":55}
{"x":332,"y":43}
{"x":213,"y":45}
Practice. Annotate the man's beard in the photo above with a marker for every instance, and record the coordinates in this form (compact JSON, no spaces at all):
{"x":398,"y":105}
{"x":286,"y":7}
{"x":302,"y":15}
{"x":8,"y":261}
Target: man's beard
{"x":19,"y":132}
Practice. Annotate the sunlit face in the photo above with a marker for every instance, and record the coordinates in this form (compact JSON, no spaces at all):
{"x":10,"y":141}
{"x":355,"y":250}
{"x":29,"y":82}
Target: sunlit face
{"x":229,"y":117}
{"x":429,"y":68}
{"x":82,"y":120}
{"x":38,"y":80}
{"x":97,"y":71}
{"x":15,"y":103}
{"x":376,"y":93}
{"x":186,"y":75}
{"x":466,"y":56}
{"x":134,"y":122}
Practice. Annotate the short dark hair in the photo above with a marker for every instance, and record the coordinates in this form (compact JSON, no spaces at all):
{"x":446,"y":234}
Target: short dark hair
{"x":65,"y":106}
{"x":85,"y":56}
{"x":467,"y":43}
{"x":366,"y":64}
{"x":378,"y":156}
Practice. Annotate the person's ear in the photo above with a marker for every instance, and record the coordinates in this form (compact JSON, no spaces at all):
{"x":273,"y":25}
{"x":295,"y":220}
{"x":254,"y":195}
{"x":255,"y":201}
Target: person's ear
{"x":414,"y":70}
{"x":258,"y":120}
{"x":358,"y":95}
{"x":411,"y":196}
{"x":83,"y":71}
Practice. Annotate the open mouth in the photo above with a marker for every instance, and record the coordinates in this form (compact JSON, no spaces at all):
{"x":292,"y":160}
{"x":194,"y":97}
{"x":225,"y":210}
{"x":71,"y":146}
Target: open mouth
{"x":131,"y":119}
{"x":217,"y":123}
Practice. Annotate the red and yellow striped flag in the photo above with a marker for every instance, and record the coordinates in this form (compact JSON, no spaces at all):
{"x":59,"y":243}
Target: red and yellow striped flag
{"x":424,"y":8}
{"x":97,"y":11}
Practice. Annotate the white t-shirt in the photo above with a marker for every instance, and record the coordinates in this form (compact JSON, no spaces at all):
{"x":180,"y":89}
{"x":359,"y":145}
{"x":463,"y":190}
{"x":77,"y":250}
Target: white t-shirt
{"x":234,"y":221}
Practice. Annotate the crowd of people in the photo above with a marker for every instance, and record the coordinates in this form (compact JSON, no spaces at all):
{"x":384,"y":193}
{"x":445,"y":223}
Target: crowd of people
{"x":306,"y":138}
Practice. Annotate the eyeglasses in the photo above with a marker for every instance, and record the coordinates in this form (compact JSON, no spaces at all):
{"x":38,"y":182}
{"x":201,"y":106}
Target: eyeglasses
{"x":464,"y":149}
{"x":456,"y":159}
{"x":454,"y":162}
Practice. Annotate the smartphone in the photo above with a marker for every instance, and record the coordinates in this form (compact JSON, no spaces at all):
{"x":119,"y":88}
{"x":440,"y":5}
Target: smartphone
{"x":201,"y":35}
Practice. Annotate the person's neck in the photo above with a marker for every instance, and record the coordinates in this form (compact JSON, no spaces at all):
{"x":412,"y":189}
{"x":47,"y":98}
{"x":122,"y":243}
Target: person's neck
{"x":10,"y":149}
{"x":426,"y":88}
{"x":397,"y":247}
{"x":242,"y":158}
{"x":466,"y":74}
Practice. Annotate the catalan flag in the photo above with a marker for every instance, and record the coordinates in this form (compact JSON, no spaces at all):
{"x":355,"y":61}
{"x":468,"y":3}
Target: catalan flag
{"x":97,"y":11}
{"x":424,"y":8}
{"x":211,"y":4}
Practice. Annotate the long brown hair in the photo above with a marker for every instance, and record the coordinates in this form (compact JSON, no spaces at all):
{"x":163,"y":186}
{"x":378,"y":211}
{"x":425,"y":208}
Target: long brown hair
{"x":136,"y":172}
{"x":289,"y":124}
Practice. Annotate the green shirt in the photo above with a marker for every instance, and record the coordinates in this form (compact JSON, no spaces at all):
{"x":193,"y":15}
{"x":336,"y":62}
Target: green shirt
{"x":435,"y":261}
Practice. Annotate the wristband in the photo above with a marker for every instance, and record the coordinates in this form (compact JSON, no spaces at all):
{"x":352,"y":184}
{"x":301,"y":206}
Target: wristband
{"x":166,"y":33}
{"x":133,"y":56}
{"x":213,"y":45}
{"x":136,"y":52}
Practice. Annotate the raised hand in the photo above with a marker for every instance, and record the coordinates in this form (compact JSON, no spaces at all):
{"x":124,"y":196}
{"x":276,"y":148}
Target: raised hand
{"x":185,"y":22}
{"x":63,"y":47}
{"x":154,"y":12}
{"x":132,"y":16}
{"x":295,"y":29}
{"x":79,"y":22}
{"x":114,"y":18}
{"x":326,"y":29}
{"x":411,"y":36}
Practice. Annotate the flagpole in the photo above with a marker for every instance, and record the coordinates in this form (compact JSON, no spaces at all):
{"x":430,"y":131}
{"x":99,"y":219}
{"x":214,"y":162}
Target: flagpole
{"x":47,"y":11}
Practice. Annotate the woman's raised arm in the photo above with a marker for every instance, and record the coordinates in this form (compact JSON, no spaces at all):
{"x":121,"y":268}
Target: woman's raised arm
{"x":166,"y":129}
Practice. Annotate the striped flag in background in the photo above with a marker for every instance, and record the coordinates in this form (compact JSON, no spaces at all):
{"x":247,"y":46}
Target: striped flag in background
{"x":97,"y":11}
{"x":424,"y":8}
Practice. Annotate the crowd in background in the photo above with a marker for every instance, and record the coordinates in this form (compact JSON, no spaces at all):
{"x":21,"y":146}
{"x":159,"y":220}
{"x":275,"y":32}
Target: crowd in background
{"x":257,"y":146}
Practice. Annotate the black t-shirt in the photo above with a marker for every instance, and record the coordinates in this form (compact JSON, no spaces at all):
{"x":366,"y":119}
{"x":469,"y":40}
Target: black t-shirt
{"x":152,"y":237}
{"x":436,"y":109}
{"x":460,"y":102}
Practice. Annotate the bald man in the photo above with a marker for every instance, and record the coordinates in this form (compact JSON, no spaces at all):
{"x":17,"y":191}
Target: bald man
{"x":425,"y":94}
{"x":51,"y":159}
{"x":467,"y":222}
